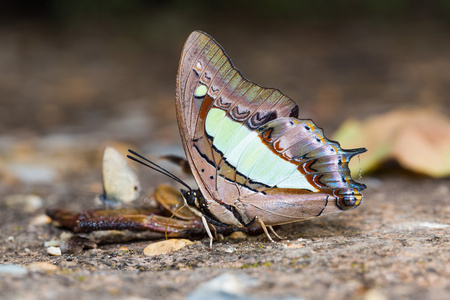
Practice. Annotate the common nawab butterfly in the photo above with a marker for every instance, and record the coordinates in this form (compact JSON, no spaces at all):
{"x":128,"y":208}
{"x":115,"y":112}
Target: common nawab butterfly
{"x":252,"y":158}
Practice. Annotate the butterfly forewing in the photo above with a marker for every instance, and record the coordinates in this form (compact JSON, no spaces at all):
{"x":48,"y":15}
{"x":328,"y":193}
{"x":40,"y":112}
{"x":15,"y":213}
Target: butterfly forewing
{"x":246,"y":147}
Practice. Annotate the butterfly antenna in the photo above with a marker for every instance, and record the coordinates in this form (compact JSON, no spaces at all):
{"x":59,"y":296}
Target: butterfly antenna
{"x":155,"y":167}
{"x":360,"y":170}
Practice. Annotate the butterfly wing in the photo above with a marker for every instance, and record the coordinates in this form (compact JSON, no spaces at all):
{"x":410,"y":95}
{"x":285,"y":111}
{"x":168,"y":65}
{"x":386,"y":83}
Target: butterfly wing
{"x":312,"y":168}
{"x":246,"y":147}
{"x":120,"y":183}
{"x":206,"y":79}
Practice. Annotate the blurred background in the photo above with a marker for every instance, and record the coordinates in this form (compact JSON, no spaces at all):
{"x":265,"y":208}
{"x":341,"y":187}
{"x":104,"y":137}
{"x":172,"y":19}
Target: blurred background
{"x":77,"y":75}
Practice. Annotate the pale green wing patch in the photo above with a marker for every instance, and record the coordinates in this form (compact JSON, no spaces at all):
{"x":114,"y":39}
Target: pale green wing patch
{"x":225,"y":132}
{"x":200,"y":91}
{"x":213,"y":120}
{"x":245,"y":151}
{"x":250,"y":156}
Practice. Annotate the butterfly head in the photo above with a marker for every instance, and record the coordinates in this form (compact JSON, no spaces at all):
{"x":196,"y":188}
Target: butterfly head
{"x":194,"y":200}
{"x":190,"y":197}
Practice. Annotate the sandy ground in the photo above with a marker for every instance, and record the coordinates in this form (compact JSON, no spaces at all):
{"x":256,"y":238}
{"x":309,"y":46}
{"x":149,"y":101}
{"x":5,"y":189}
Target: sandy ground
{"x":64,"y":96}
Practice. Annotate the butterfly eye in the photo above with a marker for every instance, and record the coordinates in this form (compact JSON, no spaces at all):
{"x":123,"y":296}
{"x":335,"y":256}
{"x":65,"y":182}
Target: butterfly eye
{"x":136,"y":188}
{"x":191,"y":200}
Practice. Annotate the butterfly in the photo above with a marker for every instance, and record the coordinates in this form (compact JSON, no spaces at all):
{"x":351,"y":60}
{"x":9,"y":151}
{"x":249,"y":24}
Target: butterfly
{"x":120,"y":182}
{"x":253,"y":159}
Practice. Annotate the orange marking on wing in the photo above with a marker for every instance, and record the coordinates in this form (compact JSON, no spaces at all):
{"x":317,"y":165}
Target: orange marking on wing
{"x":287,"y":191}
{"x":335,"y":148}
{"x":198,"y":67}
{"x":358,"y":195}
{"x":286,"y":156}
{"x":204,"y":109}
{"x":311,"y":126}
{"x":307,"y":167}
{"x":322,"y":139}
{"x":347,"y":180}
{"x":277,"y":147}
{"x":267,"y":134}
{"x":316,"y":180}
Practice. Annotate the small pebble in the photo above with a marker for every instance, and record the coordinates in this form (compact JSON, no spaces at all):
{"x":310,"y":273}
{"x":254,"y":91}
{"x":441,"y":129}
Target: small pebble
{"x":433,"y":225}
{"x":42,"y":267}
{"x":10,"y":239}
{"x":225,"y":286}
{"x":52,"y":243}
{"x":54,"y":251}
{"x":374,"y":294}
{"x":166,"y":247}
{"x":64,"y":237}
{"x":232,"y":287}
{"x":292,"y":246}
{"x":229,"y":249}
{"x":238,"y":235}
{"x":95,"y":251}
{"x":13,"y":269}
{"x":419,"y":225}
{"x":28,"y":203}
{"x":40,"y":220}
{"x":32,"y":174}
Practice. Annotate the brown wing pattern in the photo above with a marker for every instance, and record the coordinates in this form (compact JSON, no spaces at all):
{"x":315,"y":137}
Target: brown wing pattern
{"x":207,"y":79}
{"x":204,"y":62}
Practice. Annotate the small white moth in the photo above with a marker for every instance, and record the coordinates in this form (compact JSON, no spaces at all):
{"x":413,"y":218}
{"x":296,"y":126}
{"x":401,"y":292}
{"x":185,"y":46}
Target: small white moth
{"x":120,"y":183}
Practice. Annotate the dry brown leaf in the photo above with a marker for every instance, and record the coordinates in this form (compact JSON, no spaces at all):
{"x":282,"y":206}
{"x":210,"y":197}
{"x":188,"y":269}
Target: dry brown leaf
{"x":418,"y":139}
{"x":424,"y":145}
{"x":166,"y":247}
{"x":171,"y":200}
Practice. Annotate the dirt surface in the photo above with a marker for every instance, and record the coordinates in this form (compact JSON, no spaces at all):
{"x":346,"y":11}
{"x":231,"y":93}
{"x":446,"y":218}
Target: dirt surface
{"x":67,"y":93}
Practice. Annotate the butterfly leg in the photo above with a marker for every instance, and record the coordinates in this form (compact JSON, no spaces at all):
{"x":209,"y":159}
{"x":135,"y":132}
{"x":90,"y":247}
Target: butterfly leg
{"x":274,"y":233}
{"x":264,"y":229}
{"x":208,"y":231}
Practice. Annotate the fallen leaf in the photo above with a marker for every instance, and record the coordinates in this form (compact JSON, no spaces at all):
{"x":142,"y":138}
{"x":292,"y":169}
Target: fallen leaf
{"x":424,"y":145}
{"x":166,"y":247}
{"x":172,"y":200}
{"x":419,"y":140}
